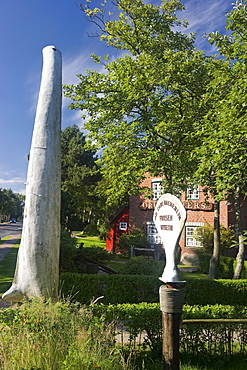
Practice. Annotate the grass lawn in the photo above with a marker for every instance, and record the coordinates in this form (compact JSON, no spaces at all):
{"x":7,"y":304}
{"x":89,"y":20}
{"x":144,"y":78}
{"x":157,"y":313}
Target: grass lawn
{"x":89,"y":241}
{"x":7,"y":269}
{"x":4,"y":238}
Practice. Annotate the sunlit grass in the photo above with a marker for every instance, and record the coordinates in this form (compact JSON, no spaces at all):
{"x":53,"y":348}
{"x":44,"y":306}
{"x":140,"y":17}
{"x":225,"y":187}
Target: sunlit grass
{"x":90,"y":241}
{"x":7,"y":268}
{"x":4,"y":238}
{"x":57,"y":336}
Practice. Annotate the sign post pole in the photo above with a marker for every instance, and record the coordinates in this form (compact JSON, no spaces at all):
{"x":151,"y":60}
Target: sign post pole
{"x":169,"y":218}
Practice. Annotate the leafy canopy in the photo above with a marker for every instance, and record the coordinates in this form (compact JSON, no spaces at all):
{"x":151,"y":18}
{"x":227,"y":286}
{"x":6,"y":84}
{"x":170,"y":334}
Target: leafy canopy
{"x":143,"y":107}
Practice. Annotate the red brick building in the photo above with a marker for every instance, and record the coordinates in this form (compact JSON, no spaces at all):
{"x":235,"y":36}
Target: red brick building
{"x":139,"y":214}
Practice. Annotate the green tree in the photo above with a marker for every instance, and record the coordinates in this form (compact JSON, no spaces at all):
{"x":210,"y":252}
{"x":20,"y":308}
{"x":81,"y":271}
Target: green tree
{"x":143,"y":107}
{"x":225,"y":128}
{"x":205,"y":235}
{"x":11,"y":204}
{"x":79,"y":179}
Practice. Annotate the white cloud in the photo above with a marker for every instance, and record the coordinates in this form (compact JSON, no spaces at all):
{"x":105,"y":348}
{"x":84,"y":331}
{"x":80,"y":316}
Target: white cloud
{"x":14,"y":180}
{"x":204,"y":17}
{"x":16,"y":184}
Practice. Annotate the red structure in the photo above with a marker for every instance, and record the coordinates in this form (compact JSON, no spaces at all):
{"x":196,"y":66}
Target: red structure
{"x":120,"y":225}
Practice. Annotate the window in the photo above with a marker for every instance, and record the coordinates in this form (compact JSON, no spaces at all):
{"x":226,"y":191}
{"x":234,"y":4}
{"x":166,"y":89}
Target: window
{"x":193,"y":192}
{"x":152,"y":233}
{"x":157,"y":188}
{"x":123,"y":226}
{"x":189,"y":231}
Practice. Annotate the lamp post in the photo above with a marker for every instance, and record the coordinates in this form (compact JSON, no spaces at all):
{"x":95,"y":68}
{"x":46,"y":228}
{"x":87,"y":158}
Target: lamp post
{"x":169,"y":218}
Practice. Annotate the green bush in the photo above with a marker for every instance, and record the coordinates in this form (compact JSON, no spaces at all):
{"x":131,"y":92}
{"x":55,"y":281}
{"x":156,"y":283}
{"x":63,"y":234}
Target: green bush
{"x":68,"y":252}
{"x":57,"y":336}
{"x":146,"y":317}
{"x":96,"y":253}
{"x":143,"y":288}
{"x":91,"y":230}
{"x":205,"y":236}
{"x":203,"y":292}
{"x":226,"y":266}
{"x":142,"y":266}
{"x":115,"y":288}
{"x":137,"y":239}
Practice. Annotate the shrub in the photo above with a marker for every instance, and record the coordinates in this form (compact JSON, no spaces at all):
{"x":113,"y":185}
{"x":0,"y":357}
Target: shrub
{"x":205,"y":235}
{"x":60,"y":336}
{"x":142,"y":266}
{"x":115,"y":288}
{"x":143,"y":288}
{"x":226,"y":266}
{"x":91,"y":230}
{"x":136,"y":239}
{"x":96,"y":253}
{"x":146,"y":317}
{"x":67,"y":253}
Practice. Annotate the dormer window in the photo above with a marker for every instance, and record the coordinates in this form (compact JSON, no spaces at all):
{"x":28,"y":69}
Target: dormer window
{"x":157,"y":188}
{"x":192,"y":192}
{"x":123,"y":226}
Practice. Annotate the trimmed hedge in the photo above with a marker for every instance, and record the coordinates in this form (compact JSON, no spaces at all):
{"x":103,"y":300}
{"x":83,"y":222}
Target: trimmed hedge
{"x":84,"y":288}
{"x":208,"y":338}
{"x":226,"y":266}
{"x":136,"y":289}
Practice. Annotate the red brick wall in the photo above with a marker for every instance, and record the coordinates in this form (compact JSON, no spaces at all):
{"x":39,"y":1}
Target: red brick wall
{"x":141,"y":211}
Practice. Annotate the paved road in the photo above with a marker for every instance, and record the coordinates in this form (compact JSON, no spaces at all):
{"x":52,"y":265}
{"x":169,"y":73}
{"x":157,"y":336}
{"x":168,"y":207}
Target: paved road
{"x":7,"y":229}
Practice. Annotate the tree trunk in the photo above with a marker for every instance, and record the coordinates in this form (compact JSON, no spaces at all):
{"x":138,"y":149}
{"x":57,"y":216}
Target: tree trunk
{"x":240,"y":255}
{"x":214,"y":261}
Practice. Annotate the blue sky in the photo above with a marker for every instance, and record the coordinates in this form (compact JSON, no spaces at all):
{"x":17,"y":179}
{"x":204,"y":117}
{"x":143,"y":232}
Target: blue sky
{"x":26,"y":26}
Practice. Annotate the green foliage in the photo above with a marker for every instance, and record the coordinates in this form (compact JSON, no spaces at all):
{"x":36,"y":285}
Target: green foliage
{"x":142,"y":266}
{"x":96,"y":253}
{"x":58,"y":336}
{"x":7,"y":268}
{"x":142,"y":288}
{"x":114,"y":288}
{"x":11,"y":205}
{"x":79,"y":179}
{"x":203,"y":292}
{"x":226,"y":266}
{"x":91,"y":230}
{"x":143,"y":107}
{"x":196,"y":338}
{"x":205,"y":235}
{"x":68,"y":253}
{"x":137,"y":239}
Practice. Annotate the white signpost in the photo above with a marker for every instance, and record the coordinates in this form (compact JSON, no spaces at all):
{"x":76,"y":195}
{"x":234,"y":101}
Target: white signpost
{"x":169,"y":218}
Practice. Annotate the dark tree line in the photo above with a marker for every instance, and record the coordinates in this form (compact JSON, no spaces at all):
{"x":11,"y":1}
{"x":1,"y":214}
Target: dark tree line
{"x":11,"y":205}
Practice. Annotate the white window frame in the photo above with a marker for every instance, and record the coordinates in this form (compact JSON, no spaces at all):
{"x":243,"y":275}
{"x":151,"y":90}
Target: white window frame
{"x":123,"y":226}
{"x":193,"y":192}
{"x":190,"y":228}
{"x":152,"y":233}
{"x":157,"y":188}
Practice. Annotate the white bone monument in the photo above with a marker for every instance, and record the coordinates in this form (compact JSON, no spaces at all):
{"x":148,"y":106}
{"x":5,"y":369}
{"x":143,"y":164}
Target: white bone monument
{"x":37,"y":267}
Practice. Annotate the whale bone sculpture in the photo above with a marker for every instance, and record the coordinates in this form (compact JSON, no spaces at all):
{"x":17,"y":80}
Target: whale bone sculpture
{"x":37,"y":267}
{"x":169,"y":218}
